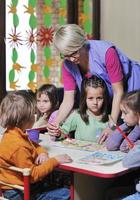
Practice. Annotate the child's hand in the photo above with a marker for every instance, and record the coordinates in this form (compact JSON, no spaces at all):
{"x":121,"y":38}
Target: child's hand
{"x":104,"y":135}
{"x":41,"y":158}
{"x":44,"y":116}
{"x":64,"y":158}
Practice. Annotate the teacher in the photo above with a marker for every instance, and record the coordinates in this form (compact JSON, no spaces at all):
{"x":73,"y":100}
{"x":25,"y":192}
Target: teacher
{"x":83,"y":58}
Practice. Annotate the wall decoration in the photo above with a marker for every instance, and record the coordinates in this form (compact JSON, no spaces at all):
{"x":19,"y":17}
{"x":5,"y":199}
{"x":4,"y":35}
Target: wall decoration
{"x":31,"y":59}
{"x":85,"y":16}
{"x":15,"y":41}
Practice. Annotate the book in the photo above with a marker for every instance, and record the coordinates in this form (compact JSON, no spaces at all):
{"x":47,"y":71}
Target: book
{"x":102,"y":158}
{"x":78,"y":144}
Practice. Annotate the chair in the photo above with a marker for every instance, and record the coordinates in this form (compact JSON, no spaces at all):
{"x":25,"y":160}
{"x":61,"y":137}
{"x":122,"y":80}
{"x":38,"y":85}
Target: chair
{"x":26,"y":179}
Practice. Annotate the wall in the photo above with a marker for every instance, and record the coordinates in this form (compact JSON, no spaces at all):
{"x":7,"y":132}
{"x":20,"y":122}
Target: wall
{"x":120,"y":23}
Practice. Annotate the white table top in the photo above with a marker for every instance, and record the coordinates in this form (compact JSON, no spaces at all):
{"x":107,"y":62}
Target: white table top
{"x":105,"y":171}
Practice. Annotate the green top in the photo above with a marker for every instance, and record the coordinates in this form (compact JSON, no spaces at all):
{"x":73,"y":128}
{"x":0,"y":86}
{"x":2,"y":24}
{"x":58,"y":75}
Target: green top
{"x":83,"y":131}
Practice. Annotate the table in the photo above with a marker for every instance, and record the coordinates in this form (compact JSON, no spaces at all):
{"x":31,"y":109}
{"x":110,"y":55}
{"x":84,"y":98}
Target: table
{"x":83,"y":172}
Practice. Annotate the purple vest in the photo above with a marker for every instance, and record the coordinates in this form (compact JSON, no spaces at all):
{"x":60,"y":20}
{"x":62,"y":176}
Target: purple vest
{"x":97,"y":51}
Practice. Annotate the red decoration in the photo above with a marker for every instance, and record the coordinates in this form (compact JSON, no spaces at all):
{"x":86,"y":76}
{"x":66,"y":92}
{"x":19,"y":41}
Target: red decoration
{"x":14,"y":38}
{"x":31,"y":38}
{"x":45,"y":35}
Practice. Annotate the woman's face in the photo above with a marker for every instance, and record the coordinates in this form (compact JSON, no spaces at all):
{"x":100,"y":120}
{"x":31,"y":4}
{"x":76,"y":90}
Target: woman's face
{"x":95,"y":99}
{"x":43,"y":103}
{"x":74,"y":57}
{"x":129,"y":117}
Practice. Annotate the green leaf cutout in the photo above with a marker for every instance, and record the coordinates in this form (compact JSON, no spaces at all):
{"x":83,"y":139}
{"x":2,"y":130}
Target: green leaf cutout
{"x":47,"y":20}
{"x":31,"y":75}
{"x":48,"y":2}
{"x":86,"y":7}
{"x":14,"y":2}
{"x":46,"y":71}
{"x":32,"y":56}
{"x":47,"y":52}
{"x":32,"y":3}
{"x":33,"y":21}
{"x":11,"y":75}
{"x":15,"y":20}
{"x":63,"y":3}
{"x":61,"y":20}
{"x":14,"y":55}
{"x":88,"y":27}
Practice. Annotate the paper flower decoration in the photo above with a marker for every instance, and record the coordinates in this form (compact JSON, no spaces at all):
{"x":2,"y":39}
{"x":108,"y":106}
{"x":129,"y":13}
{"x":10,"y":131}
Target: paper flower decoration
{"x":14,"y":38}
{"x":45,"y":36}
{"x":31,"y":38}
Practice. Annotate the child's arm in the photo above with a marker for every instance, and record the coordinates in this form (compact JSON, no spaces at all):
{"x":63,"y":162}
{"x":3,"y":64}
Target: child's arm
{"x":39,"y":148}
{"x":38,"y":172}
{"x":41,"y":158}
{"x":40,"y":122}
{"x":113,"y":142}
{"x":68,"y":126}
{"x":132,"y":158}
{"x":134,"y":135}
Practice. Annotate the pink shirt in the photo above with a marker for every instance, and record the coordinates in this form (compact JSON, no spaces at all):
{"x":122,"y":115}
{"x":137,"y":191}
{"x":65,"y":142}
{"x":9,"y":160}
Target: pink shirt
{"x":113,"y":67}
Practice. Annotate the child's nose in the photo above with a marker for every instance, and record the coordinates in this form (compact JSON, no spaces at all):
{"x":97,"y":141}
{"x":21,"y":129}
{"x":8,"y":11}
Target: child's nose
{"x":95,"y":101}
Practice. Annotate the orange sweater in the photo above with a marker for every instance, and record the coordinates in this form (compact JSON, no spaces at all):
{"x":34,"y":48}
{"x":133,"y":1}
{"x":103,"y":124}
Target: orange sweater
{"x":17,"y":150}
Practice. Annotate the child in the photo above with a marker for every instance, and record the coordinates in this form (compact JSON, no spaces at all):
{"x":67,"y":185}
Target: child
{"x":132,"y":159}
{"x":92,"y":116}
{"x":16,"y":115}
{"x":116,"y":141}
{"x":130,"y":107}
{"x":47,"y":103}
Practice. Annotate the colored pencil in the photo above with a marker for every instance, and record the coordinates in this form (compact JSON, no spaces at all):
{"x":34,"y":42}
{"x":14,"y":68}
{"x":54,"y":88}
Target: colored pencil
{"x":130,"y":143}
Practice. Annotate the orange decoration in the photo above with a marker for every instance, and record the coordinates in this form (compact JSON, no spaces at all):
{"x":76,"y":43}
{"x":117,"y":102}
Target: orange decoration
{"x":35,"y":67}
{"x":83,"y":18}
{"x":49,"y":62}
{"x":46,"y":9}
{"x":62,"y":12}
{"x":13,"y":85}
{"x":29,"y":9}
{"x":17,"y":67}
{"x":32,"y":86}
{"x":12,"y":10}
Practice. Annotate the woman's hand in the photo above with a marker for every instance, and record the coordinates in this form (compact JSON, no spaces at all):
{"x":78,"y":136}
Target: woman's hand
{"x":53,"y":129}
{"x":104,"y":135}
{"x":41,"y":158}
{"x":64,"y":158}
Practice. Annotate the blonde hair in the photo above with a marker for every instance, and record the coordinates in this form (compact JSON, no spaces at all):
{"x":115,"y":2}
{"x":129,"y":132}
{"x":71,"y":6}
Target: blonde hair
{"x":16,"y":109}
{"x":69,"y":38}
